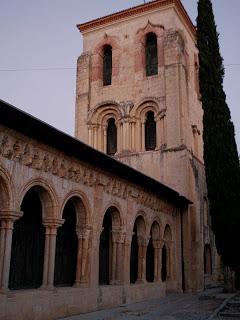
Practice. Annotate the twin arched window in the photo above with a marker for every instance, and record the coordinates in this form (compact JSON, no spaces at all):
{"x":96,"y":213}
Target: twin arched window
{"x":151,"y":56}
{"x":150,"y":131}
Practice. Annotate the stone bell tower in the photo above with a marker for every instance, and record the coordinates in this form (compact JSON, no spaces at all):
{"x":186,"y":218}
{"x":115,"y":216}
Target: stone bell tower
{"x":138,"y":100}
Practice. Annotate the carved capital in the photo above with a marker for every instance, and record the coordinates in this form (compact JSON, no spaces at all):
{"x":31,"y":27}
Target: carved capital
{"x":8,"y":217}
{"x":84,"y":232}
{"x":52,"y":224}
{"x":118,"y":236}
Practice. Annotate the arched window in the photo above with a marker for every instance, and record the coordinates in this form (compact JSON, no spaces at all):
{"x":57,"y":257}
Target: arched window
{"x":107,"y":65}
{"x":151,"y":55}
{"x":150,"y":131}
{"x":111,"y":137}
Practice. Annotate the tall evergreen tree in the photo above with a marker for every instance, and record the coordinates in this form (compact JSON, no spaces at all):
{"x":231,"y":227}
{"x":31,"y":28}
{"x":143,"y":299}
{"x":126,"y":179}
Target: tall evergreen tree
{"x":220,"y":150}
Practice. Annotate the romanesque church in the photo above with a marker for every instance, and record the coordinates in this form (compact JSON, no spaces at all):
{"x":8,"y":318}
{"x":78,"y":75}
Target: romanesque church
{"x":118,"y":214}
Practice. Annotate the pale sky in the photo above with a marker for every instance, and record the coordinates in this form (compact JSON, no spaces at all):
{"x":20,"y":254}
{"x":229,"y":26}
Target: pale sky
{"x":42,"y":34}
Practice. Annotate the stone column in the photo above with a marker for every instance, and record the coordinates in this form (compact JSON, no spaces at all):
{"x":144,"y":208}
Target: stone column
{"x":143,"y":136}
{"x":118,"y":238}
{"x":84,"y":235}
{"x":142,"y":251}
{"x":104,"y":139}
{"x":51,"y":226}
{"x":157,"y":260}
{"x":7,"y":217}
{"x":159,"y":133}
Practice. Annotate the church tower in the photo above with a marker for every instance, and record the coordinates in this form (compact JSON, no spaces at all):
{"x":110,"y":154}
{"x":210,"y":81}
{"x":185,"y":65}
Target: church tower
{"x":138,"y":101}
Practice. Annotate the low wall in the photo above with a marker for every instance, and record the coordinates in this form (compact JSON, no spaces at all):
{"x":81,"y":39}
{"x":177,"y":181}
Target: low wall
{"x":42,"y":304}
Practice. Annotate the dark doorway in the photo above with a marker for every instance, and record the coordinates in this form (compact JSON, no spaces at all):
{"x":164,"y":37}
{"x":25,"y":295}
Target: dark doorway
{"x":150,"y":131}
{"x":134,"y":256}
{"x":105,"y":249}
{"x":150,"y":262}
{"x":66,"y":249}
{"x":164,"y":264}
{"x":151,"y":55}
{"x":27,"y":256}
{"x":111,"y":137}
{"x":107,"y":65}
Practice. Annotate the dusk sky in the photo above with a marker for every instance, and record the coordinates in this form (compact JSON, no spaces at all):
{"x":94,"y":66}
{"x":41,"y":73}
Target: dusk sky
{"x":38,"y":36}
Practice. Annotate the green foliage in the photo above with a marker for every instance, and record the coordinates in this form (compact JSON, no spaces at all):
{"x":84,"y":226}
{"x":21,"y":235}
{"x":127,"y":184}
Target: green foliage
{"x":220,"y":150}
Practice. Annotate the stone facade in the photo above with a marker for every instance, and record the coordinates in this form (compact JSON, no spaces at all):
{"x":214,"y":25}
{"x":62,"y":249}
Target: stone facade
{"x":155,"y":219}
{"x":172,"y":95}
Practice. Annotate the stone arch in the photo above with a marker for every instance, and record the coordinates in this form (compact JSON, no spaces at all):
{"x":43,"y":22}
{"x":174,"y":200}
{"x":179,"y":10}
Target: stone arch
{"x":98,"y":119}
{"x":148,"y":104}
{"x":152,"y":256}
{"x":140,"y":42}
{"x":28,"y":240}
{"x":82,"y":207}
{"x":140,"y":112}
{"x":103,"y":111}
{"x":97,"y":57}
{"x":47,"y":195}
{"x":138,"y":250}
{"x":110,"y":247}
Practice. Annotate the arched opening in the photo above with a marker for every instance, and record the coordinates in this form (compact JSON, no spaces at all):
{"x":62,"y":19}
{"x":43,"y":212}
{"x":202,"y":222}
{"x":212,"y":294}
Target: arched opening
{"x":150,"y":261}
{"x":150,"y":131}
{"x":108,"y":253}
{"x":164,"y":270}
{"x":134,"y":256}
{"x":207,"y":260}
{"x":105,"y":249}
{"x":111,"y":137}
{"x":151,"y":54}
{"x":137,"y":257}
{"x":27,"y":255}
{"x":66,"y":248}
{"x":107,"y":65}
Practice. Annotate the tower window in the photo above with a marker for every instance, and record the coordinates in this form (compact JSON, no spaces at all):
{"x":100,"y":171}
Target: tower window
{"x":151,"y":55}
{"x":107,"y":65}
{"x":111,"y":137}
{"x":150,"y":131}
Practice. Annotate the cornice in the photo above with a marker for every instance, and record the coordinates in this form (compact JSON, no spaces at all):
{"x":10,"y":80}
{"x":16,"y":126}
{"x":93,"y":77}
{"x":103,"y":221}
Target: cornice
{"x":84,"y":27}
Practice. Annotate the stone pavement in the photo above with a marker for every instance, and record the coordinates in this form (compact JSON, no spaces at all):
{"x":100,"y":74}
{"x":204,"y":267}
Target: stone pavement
{"x":172,"y":307}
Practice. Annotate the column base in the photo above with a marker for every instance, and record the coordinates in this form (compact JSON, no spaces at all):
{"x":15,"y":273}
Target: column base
{"x":4,"y":290}
{"x":81,"y":284}
{"x":115,"y":282}
{"x":48,"y":287}
{"x":141,"y":281}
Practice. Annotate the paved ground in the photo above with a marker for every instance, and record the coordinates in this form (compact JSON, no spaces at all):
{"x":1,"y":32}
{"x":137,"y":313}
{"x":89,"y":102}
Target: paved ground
{"x":173,"y":307}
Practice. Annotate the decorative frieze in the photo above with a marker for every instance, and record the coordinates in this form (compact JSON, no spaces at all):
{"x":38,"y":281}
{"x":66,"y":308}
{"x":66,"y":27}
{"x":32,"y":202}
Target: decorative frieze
{"x":37,"y":157}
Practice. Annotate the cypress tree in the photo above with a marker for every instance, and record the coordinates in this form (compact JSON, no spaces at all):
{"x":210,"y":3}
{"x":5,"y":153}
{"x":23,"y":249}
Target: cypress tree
{"x":220,"y":150}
